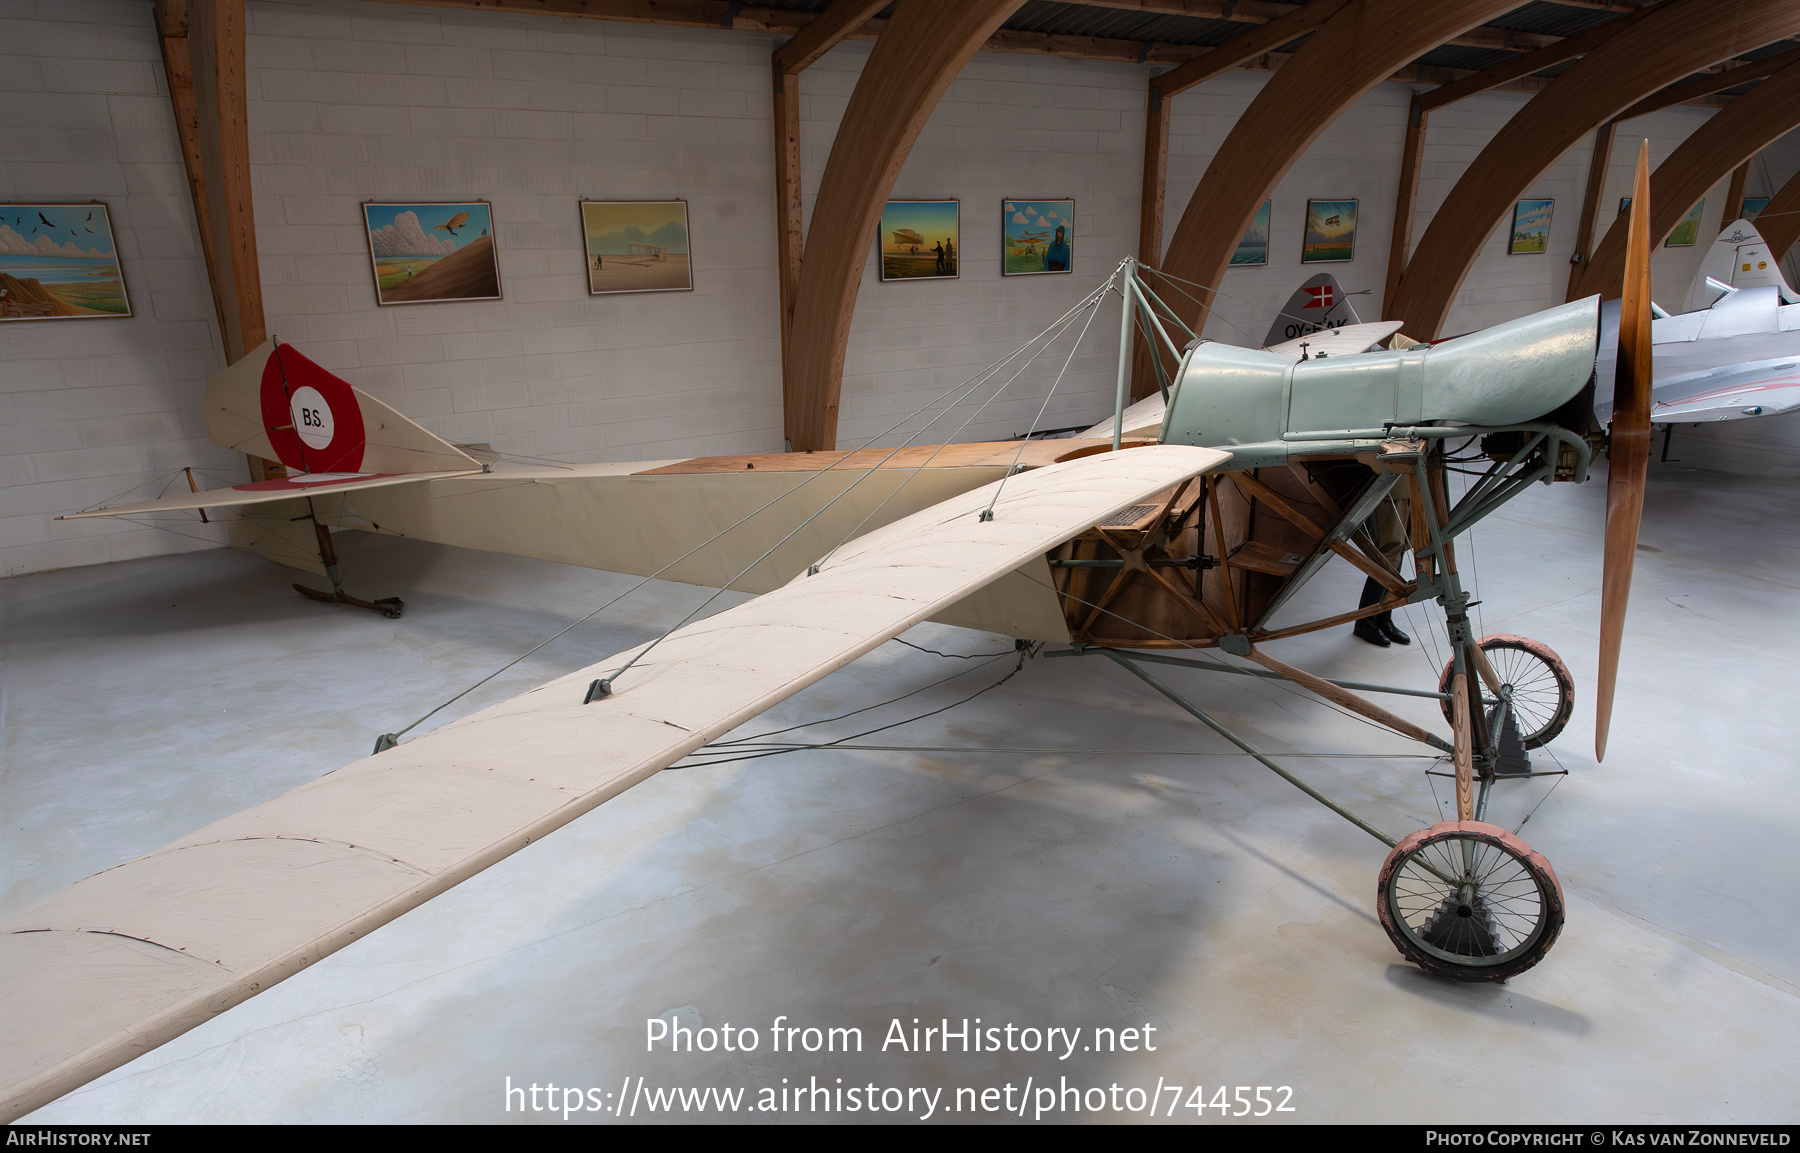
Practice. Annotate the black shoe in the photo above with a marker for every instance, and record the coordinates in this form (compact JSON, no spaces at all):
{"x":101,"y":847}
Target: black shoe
{"x":1385,"y":622}
{"x":1366,"y":629}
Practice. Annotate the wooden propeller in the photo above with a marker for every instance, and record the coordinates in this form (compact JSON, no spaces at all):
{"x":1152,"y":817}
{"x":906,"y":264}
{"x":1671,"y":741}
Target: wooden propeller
{"x":1629,"y":448}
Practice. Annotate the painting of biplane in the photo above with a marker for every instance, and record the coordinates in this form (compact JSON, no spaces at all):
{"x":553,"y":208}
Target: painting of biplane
{"x":59,"y":262}
{"x":1037,"y":236}
{"x":636,"y":246}
{"x":921,"y":240}
{"x":1531,"y":227}
{"x":1330,"y":232}
{"x":432,"y":252}
{"x":1253,"y":249}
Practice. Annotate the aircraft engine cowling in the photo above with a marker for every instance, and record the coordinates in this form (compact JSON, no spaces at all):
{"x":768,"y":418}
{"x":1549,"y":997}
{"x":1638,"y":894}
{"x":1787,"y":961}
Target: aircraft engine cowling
{"x":1228,"y":397}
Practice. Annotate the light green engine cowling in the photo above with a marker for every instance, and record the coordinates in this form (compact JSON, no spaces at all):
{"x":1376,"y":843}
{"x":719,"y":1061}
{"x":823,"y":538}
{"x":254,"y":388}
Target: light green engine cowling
{"x":1262,"y":406}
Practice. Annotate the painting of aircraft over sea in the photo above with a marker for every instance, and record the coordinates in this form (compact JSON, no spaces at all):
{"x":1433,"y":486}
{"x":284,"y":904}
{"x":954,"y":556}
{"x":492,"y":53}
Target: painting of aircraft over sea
{"x":920,"y":240}
{"x":432,"y":252}
{"x":59,"y":262}
{"x":636,"y":246}
{"x":1253,"y":247}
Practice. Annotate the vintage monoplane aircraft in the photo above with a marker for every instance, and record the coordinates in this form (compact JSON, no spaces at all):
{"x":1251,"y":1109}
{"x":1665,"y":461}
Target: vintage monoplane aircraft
{"x":1264,"y":468}
{"x":1734,"y":353}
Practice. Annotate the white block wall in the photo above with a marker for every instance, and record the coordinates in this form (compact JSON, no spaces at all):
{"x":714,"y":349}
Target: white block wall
{"x":352,"y":101}
{"x":90,"y":409}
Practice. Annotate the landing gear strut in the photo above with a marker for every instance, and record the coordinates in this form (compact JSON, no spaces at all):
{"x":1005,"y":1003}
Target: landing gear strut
{"x":390,"y":607}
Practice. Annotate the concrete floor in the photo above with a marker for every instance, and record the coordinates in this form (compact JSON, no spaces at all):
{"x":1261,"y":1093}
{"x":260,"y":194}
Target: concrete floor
{"x":1139,"y":885}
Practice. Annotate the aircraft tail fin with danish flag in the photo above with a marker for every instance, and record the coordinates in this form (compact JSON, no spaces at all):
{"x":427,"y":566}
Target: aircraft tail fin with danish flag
{"x":1318,"y":304}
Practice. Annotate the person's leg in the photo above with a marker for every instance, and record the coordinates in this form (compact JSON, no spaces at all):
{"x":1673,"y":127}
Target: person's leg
{"x":1367,"y":628}
{"x":1391,"y":538}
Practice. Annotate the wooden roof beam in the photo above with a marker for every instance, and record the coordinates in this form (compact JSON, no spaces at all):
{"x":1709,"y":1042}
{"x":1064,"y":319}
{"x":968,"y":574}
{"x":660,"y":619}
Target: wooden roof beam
{"x":1527,"y":63}
{"x":1779,"y":221}
{"x":924,"y":47}
{"x":1745,"y":72}
{"x":1677,"y":39}
{"x":1752,"y":122}
{"x":1364,"y":43}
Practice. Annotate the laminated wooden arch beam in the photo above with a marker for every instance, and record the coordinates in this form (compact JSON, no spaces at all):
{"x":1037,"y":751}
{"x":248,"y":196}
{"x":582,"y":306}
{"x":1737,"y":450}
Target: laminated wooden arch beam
{"x":1675,"y":40}
{"x":1361,"y":45}
{"x":1779,"y":221}
{"x":203,"y":58}
{"x":926,"y":43}
{"x":1217,"y":62}
{"x":799,"y":53}
{"x":1527,"y":63}
{"x":1751,"y":123}
{"x":1707,"y":85}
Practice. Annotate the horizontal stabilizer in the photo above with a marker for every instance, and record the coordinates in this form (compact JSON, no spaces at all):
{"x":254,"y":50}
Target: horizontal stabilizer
{"x":1142,"y":419}
{"x":262,"y":491}
{"x":1343,"y":341}
{"x":119,"y":963}
{"x":277,"y":404}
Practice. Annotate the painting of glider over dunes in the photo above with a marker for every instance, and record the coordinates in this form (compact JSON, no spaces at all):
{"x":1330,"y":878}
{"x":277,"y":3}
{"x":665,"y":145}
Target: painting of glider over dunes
{"x":59,"y":262}
{"x":422,"y":253}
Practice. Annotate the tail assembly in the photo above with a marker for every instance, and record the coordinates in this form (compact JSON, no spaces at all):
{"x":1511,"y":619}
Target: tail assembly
{"x":1738,"y":259}
{"x":1318,"y":304}
{"x":330,"y":435}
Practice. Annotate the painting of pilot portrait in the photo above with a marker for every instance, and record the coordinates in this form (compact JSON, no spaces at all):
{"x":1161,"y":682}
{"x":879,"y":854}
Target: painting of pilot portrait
{"x":421,"y":253}
{"x":1330,"y":232}
{"x":1037,"y":236}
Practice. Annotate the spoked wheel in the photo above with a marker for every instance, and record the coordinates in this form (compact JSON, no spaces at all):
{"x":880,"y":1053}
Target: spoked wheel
{"x":1470,"y":901}
{"x":1542,"y":691}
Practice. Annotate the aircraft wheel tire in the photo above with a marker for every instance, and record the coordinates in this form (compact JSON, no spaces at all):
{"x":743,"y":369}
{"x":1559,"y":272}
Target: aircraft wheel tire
{"x":1469,"y":901}
{"x":1543,"y":690}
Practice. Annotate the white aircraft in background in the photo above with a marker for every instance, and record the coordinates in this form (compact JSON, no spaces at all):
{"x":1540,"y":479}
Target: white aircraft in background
{"x":1734,"y":352}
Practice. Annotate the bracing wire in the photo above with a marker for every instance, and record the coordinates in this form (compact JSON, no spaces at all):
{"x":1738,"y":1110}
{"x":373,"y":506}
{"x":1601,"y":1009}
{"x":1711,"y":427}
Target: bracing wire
{"x":603,"y":686}
{"x":753,"y":737}
{"x":966,"y":387}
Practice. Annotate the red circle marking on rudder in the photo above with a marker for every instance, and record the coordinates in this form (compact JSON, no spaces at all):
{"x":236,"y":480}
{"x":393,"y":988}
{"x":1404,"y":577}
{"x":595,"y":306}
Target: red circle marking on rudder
{"x":345,"y":452}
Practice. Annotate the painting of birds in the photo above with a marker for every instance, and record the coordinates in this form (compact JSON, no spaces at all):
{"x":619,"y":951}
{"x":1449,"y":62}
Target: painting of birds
{"x":452,"y":224}
{"x":47,"y":224}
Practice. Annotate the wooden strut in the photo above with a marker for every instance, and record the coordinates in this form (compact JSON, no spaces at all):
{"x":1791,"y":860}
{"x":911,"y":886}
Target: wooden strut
{"x":1465,"y":764}
{"x":387,"y":606}
{"x":1380,"y":573}
{"x":1338,"y":695}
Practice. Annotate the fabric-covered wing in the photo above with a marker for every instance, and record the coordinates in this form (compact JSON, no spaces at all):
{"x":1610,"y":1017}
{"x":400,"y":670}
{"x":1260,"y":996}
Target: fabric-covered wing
{"x":1145,"y":418}
{"x":259,"y":492}
{"x":121,"y":962}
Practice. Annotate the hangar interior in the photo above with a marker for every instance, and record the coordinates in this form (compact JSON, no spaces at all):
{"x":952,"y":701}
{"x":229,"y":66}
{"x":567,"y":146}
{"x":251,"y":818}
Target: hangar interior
{"x":1039,"y":842}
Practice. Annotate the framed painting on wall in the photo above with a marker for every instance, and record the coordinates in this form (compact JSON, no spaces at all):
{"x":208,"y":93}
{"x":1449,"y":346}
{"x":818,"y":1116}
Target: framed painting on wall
{"x":1751,"y":206}
{"x":1531,"y":227}
{"x":1688,"y":230}
{"x":1253,"y":249}
{"x":1037,"y":236}
{"x":424,"y":253}
{"x":636,"y":246}
{"x":1330,"y":232}
{"x":920,"y":240}
{"x":59,"y":262}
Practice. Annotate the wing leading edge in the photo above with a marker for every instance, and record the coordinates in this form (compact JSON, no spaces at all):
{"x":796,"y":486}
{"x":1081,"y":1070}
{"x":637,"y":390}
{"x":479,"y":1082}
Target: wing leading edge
{"x":122,"y":962}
